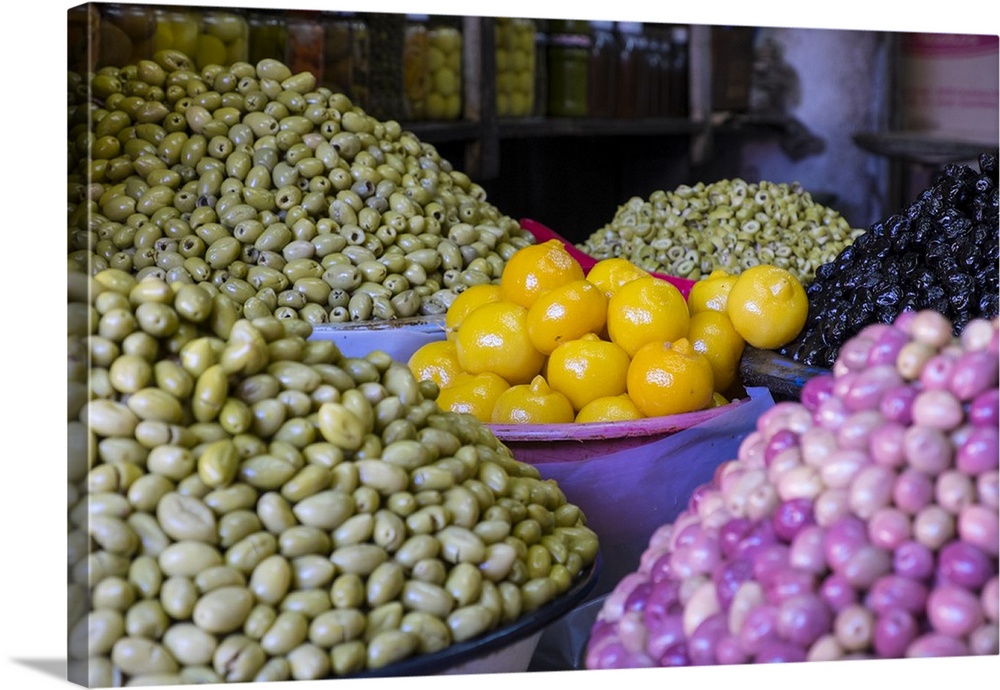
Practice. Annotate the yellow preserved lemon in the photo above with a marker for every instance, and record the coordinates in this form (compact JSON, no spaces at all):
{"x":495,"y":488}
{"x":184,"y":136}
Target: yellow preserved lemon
{"x":565,"y":313}
{"x":494,"y":338}
{"x":670,"y":378}
{"x":768,"y":306}
{"x":532,"y":403}
{"x":535,"y":269}
{"x":646,"y":310}
{"x":587,"y":368}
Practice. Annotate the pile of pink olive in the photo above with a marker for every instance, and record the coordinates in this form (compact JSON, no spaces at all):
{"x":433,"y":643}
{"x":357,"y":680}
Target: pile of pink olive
{"x":859,"y":521}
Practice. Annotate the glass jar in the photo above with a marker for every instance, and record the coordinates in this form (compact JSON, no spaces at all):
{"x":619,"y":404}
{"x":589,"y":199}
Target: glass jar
{"x":82,"y":28}
{"x":569,"y":59}
{"x":267,"y":35}
{"x":416,"y":66}
{"x":206,"y":36}
{"x":603,"y":70}
{"x":515,"y":66}
{"x":385,"y":94}
{"x":444,"y":67}
{"x":346,"y":51}
{"x":223,"y":38}
{"x":541,"y":87}
{"x":304,"y":50}
{"x":125,"y":35}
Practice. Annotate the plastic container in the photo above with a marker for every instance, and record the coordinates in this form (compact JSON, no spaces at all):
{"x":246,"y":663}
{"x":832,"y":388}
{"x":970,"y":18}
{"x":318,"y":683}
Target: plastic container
{"x":515,"y":66}
{"x":568,"y":68}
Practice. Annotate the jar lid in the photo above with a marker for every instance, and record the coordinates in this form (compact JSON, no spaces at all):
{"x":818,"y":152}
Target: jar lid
{"x":630,"y":27}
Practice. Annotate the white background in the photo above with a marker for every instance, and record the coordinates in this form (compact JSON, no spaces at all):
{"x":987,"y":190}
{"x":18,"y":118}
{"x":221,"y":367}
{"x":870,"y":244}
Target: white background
{"x":32,"y":370}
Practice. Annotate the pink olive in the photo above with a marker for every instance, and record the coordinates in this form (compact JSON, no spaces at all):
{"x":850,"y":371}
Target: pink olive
{"x":887,"y":345}
{"x":632,"y":632}
{"x":816,"y":390}
{"x":702,"y":642}
{"x":791,"y":516}
{"x":897,"y":404}
{"x":934,"y":644}
{"x":954,"y":610}
{"x":779,"y":652}
{"x":803,"y":618}
{"x":667,"y":632}
{"x":914,"y":560}
{"x":927,"y":449}
{"x":976,"y":335}
{"x":895,"y":630}
{"x":837,"y":592}
{"x":857,"y":428}
{"x":936,"y":372}
{"x":977,"y":525}
{"x":990,"y":599}
{"x":727,"y":578}
{"x":853,"y":353}
{"x":984,"y":640}
{"x":749,"y":595}
{"x":888,"y":527}
{"x":937,"y":409}
{"x":931,"y":327}
{"x":788,"y":583}
{"x":886,"y":444}
{"x":817,"y":445}
{"x":892,"y":591}
{"x":759,"y":626}
{"x":843,"y":538}
{"x":728,"y":650}
{"x":913,"y":356}
{"x":980,"y":452}
{"x":865,"y":566}
{"x":854,"y":627}
{"x":806,"y":550}
{"x":984,"y":410}
{"x":762,"y":501}
{"x":964,"y":564}
{"x":904,"y":321}
{"x":934,"y":526}
{"x":871,"y":489}
{"x":830,"y":413}
{"x":826,"y":648}
{"x":780,"y":441}
{"x":830,"y":506}
{"x":912,"y":491}
{"x":974,"y":372}
{"x":870,"y":385}
{"x":953,"y":490}
{"x":988,"y":489}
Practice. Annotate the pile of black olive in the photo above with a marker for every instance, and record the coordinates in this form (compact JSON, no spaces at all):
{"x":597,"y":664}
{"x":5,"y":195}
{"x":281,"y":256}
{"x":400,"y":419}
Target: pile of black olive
{"x":940,"y":253}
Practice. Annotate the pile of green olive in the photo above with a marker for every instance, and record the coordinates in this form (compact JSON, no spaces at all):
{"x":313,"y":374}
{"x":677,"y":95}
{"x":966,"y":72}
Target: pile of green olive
{"x":729,"y":225}
{"x":284,"y":195}
{"x":246,"y":503}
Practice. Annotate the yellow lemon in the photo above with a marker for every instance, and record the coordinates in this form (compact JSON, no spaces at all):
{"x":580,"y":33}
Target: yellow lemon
{"x":587,"y":368}
{"x":532,"y":403}
{"x":436,"y":361}
{"x":473,"y":394}
{"x":611,"y":408}
{"x":565,"y":313}
{"x":670,"y":378}
{"x":536,"y":268}
{"x":469,"y":299}
{"x":610,"y":274}
{"x":712,"y":334}
{"x":711,"y":292}
{"x":646,"y":310}
{"x":768,"y":306}
{"x":494,"y":338}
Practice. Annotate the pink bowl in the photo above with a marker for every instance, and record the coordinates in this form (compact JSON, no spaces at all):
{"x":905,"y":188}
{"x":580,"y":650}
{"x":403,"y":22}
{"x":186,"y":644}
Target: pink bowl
{"x":537,"y":443}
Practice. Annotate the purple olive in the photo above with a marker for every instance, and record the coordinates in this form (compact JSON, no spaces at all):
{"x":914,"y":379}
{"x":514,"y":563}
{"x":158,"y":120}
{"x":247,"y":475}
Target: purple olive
{"x":701,"y":643}
{"x":675,"y":655}
{"x":837,"y":592}
{"x":727,"y":576}
{"x":732,"y":533}
{"x":728,"y":650}
{"x":978,"y":525}
{"x":830,"y":413}
{"x":886,"y":348}
{"x":984,"y":410}
{"x":897,"y":404}
{"x":894,"y":591}
{"x":779,"y":652}
{"x":934,"y":644}
{"x":662,"y":601}
{"x":664,"y":631}
{"x":815,"y":391}
{"x":938,"y":409}
{"x":613,"y":655}
{"x":913,"y":559}
{"x":760,"y":535}
{"x":964,"y":564}
{"x":867,"y":389}
{"x":980,"y":452}
{"x":865,"y":565}
{"x":953,"y":610}
{"x":843,"y":538}
{"x":803,"y":618}
{"x":974,"y":372}
{"x":637,"y":599}
{"x":791,"y":516}
{"x":988,"y":489}
{"x":759,"y":626}
{"x":895,"y":630}
{"x":984,"y":640}
{"x":768,"y":561}
{"x":789,"y":583}
{"x":782,"y":440}
{"x":853,"y":354}
{"x":871,"y":490}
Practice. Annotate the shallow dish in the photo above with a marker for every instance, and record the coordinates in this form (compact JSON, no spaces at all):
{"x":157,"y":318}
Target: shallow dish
{"x":400,"y":338}
{"x":505,"y":650}
{"x":571,"y":442}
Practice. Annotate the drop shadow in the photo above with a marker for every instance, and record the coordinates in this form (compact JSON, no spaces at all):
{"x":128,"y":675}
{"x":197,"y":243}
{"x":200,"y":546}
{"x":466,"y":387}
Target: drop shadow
{"x":52,"y":667}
